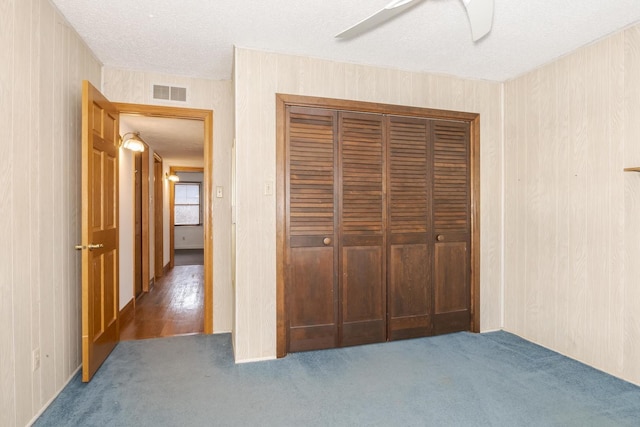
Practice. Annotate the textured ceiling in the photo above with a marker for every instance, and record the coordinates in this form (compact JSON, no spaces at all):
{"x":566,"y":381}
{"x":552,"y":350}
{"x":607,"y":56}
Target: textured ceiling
{"x":176,"y":140}
{"x":196,"y":37}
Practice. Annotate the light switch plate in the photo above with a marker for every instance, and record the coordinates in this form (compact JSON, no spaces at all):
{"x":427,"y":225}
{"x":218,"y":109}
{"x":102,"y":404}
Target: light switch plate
{"x":219,"y":192}
{"x":268,"y":188}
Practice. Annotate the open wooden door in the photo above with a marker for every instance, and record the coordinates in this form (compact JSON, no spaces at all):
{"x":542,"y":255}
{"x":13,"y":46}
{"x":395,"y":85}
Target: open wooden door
{"x":100,"y":327}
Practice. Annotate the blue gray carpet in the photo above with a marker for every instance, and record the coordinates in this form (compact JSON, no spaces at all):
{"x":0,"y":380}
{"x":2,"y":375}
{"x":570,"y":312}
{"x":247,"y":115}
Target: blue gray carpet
{"x":463,"y":379}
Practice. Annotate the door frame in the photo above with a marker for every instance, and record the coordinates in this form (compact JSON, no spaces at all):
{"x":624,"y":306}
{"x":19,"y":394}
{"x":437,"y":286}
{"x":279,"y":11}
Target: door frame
{"x":138,"y":271}
{"x":145,"y":218}
{"x":172,"y":202}
{"x":205,"y":116}
{"x":144,"y":212}
{"x":284,"y":100}
{"x":158,"y":219}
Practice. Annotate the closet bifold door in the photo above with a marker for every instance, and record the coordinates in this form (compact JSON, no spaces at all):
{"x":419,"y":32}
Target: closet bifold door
{"x":409,"y":228}
{"x":362,"y":228}
{"x":451,"y":226}
{"x":311,"y":255}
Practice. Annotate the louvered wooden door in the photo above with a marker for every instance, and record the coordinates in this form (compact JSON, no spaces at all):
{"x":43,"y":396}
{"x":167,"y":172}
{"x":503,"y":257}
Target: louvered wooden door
{"x":362,"y":228}
{"x":452,"y":226}
{"x":410,"y":233}
{"x":429,"y":227}
{"x":378,"y":234}
{"x":336,"y":289}
{"x":312,"y":258}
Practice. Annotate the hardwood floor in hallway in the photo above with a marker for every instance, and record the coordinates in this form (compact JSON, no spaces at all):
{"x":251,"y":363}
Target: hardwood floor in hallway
{"x":174,"y":306}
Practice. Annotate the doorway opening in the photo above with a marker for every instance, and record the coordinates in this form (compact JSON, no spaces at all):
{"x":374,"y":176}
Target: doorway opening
{"x":185,"y":216}
{"x":156,"y":309}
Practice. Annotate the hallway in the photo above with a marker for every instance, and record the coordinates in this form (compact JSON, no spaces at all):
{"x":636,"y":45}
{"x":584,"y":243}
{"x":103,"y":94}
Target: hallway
{"x":174,"y":306}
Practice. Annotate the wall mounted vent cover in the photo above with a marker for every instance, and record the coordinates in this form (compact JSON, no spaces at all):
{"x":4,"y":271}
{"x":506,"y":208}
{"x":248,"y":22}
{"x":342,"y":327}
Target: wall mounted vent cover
{"x":170,"y":93}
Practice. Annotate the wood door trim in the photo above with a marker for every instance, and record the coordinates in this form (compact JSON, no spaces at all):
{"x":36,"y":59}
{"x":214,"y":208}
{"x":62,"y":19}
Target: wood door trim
{"x":158,"y":222}
{"x":145,"y":218}
{"x":284,"y":100}
{"x":137,"y":250}
{"x":281,"y":225}
{"x":372,"y":107}
{"x":474,"y":165}
{"x":205,"y":116}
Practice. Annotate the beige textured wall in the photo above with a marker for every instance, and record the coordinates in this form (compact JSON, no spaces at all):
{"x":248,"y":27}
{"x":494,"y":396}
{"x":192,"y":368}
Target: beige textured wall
{"x":121,"y":85}
{"x":258,"y":77}
{"x":572,"y":218}
{"x":42,"y":65}
{"x":631,"y":319}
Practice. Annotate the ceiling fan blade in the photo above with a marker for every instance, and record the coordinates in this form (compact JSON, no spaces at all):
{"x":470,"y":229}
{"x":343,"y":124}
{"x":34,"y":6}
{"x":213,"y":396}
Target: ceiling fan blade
{"x":480,"y":13}
{"x":392,"y":9}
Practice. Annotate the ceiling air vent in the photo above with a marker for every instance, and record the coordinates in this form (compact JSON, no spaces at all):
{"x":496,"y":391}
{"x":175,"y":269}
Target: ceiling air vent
{"x":170,"y":93}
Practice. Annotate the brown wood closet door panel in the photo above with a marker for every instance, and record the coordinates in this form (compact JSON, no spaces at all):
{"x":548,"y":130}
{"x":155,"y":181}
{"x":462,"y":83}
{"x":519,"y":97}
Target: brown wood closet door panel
{"x":409,"y":226}
{"x":362,"y":228}
{"x":409,"y":192}
{"x":409,"y":291}
{"x":311,"y":256}
{"x":362,"y":168}
{"x":451,"y":186}
{"x":312,"y":314}
{"x":451,"y":285}
{"x":452,"y":226}
{"x":363,"y":296}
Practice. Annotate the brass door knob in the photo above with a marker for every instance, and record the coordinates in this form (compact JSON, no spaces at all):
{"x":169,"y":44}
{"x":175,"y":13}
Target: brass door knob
{"x":90,"y":246}
{"x":440,"y":238}
{"x":327,"y":241}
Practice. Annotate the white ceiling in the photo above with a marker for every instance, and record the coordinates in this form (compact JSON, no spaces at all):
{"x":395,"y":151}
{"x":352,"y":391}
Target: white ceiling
{"x":177,"y":140}
{"x":196,"y":37}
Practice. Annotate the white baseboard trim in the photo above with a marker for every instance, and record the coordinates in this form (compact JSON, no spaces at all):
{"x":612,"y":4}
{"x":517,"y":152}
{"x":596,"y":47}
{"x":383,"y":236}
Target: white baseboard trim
{"x":46,"y":405}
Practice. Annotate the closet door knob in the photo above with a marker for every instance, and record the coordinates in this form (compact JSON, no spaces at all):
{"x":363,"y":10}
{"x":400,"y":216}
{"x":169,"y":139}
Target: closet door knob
{"x":326,"y":241}
{"x":440,"y":238}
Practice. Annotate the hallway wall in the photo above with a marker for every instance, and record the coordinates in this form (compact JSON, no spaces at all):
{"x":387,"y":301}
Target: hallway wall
{"x":42,"y":64}
{"x":121,"y":85}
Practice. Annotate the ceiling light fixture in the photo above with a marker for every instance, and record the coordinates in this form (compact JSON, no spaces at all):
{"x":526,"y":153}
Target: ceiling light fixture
{"x":132,"y":141}
{"x":173,"y":177}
